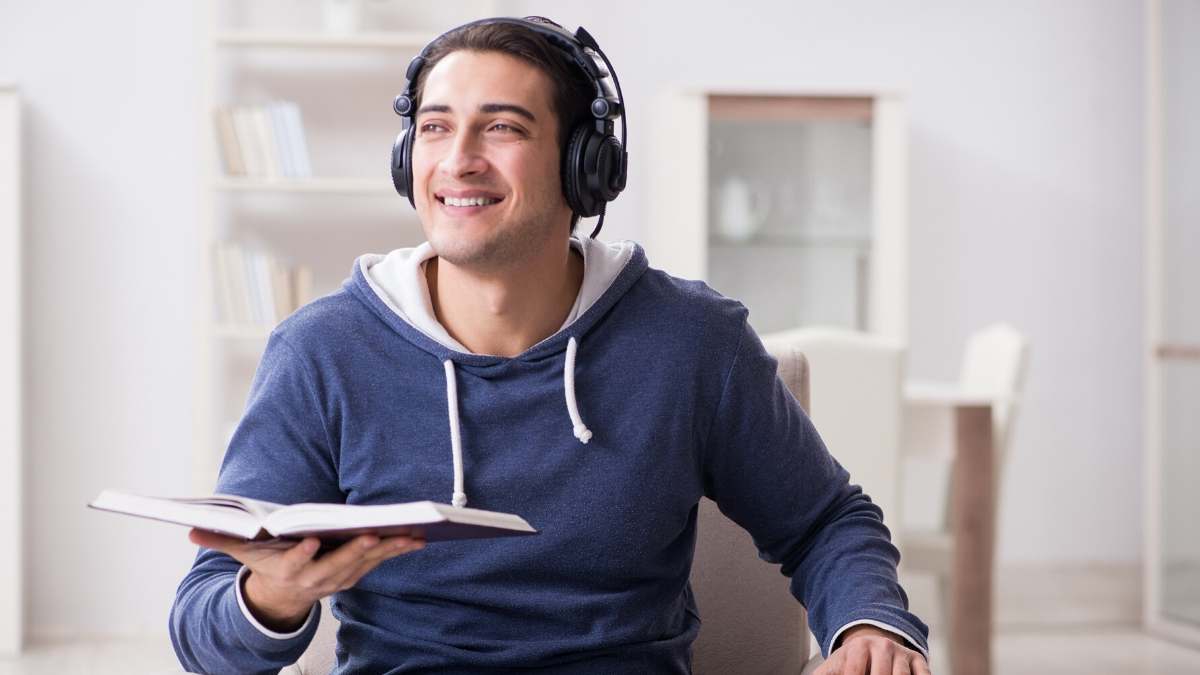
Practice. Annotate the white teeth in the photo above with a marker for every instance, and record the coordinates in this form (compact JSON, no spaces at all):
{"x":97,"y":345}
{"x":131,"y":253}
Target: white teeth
{"x":470,"y":201}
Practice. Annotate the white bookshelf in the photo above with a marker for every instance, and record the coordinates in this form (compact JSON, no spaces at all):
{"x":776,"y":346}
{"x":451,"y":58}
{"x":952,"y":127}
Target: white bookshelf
{"x":259,"y":51}
{"x":11,"y":411}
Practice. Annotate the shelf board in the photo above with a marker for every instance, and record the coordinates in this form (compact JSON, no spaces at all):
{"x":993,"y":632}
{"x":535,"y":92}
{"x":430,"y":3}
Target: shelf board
{"x":299,"y":40}
{"x":310,"y":185}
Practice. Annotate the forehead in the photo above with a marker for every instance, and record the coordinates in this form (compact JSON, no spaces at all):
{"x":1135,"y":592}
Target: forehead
{"x":466,"y":79}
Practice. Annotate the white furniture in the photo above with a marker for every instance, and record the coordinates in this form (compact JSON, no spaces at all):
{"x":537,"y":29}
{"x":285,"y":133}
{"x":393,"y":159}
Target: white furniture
{"x":966,"y":425}
{"x":794,"y":202}
{"x":11,"y":409}
{"x":752,"y":622}
{"x":343,"y":81}
{"x":1172,"y":321}
{"x":856,"y":405}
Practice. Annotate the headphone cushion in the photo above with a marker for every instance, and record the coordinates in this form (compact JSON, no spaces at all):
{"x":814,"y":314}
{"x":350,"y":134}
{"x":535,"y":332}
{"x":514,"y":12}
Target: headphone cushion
{"x":409,"y":137}
{"x":402,"y":177}
{"x":574,"y":173}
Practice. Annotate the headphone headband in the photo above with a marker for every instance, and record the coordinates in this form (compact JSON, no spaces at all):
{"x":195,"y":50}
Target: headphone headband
{"x":595,"y":165}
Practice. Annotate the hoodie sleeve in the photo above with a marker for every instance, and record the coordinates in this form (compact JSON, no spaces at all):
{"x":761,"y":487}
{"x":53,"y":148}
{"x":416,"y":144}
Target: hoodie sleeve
{"x":280,"y":452}
{"x":768,"y":470}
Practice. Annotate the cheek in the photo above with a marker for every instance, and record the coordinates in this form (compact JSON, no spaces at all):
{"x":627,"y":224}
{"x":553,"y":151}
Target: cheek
{"x":421,"y":171}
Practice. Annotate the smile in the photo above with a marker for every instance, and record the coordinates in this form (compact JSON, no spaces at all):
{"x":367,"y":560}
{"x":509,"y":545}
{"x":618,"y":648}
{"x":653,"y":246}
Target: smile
{"x":468,"y":202}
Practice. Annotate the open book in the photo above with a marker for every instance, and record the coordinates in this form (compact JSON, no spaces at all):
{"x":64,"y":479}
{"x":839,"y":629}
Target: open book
{"x":255,"y":519}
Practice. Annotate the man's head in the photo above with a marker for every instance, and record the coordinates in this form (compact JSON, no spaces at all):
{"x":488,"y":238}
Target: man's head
{"x":567,"y":90}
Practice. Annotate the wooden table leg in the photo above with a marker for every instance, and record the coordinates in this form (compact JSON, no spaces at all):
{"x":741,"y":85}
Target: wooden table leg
{"x":973,"y":521}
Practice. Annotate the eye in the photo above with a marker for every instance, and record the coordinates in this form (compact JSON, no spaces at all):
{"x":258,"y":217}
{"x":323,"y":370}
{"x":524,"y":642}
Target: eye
{"x":505,"y":128}
{"x":430,"y":127}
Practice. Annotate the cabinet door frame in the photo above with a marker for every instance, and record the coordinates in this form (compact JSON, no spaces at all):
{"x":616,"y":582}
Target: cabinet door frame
{"x":12,"y":561}
{"x":678,"y":195}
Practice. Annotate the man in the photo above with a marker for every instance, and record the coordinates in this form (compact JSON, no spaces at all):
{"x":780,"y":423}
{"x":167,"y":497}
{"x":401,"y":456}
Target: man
{"x":572,"y":385}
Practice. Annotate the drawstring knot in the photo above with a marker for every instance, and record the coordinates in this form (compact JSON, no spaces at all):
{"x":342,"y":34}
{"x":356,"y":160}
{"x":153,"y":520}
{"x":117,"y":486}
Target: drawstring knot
{"x":577,"y":426}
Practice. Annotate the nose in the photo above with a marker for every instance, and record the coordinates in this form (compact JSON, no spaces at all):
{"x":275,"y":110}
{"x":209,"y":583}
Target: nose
{"x":464,"y":157}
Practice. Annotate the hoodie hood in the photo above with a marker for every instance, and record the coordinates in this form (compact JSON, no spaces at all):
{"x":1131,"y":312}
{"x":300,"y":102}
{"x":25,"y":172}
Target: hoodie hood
{"x":394,"y":287}
{"x":398,"y":281}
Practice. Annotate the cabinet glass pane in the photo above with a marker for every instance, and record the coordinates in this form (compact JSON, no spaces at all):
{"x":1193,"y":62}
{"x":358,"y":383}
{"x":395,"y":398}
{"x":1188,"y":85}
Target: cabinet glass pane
{"x":1181,"y":171}
{"x":1180,"y":534}
{"x":789,"y":210}
{"x":1180,"y":494}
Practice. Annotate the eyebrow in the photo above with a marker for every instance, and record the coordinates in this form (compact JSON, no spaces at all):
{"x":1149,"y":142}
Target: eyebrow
{"x":483,"y":108}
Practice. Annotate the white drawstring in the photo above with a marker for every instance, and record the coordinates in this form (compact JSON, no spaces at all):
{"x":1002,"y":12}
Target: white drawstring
{"x":460,"y":497}
{"x":577,"y":426}
{"x":579,"y":429}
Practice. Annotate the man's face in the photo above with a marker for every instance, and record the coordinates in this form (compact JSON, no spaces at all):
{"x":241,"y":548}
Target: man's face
{"x":486,"y":131}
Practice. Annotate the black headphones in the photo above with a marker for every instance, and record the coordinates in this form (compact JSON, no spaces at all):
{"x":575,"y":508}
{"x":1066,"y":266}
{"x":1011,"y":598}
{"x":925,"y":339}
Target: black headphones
{"x":594,"y":163}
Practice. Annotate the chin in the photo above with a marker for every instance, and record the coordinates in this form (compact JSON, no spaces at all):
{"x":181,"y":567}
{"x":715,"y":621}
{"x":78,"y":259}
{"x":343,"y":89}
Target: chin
{"x":463,"y":251}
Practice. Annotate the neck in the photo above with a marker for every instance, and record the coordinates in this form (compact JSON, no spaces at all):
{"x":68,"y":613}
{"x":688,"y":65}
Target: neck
{"x":504,"y":313}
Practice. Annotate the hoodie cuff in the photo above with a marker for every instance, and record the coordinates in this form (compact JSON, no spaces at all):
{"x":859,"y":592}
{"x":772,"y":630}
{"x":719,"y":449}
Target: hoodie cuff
{"x":241,"y":600}
{"x":912,"y":644}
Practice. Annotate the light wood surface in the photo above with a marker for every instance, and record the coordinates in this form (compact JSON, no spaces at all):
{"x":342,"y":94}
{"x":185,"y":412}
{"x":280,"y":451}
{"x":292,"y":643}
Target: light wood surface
{"x":1178,"y":352}
{"x":972,"y":522}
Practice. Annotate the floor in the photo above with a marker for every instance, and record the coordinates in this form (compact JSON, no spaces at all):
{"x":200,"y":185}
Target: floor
{"x":1115,"y":651}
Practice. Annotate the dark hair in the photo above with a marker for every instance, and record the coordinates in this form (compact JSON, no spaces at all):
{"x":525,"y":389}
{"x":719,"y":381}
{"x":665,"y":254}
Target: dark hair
{"x":572,"y":93}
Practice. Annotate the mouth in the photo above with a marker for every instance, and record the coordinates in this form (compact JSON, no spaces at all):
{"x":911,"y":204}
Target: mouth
{"x":467,"y":203}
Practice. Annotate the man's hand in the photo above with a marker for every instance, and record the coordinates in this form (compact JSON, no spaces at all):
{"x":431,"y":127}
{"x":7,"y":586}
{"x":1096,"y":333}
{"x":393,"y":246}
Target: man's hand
{"x":867,"y":650}
{"x":283,"y":583}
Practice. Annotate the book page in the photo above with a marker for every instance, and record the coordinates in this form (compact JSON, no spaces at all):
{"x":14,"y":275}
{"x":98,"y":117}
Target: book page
{"x":224,"y":515}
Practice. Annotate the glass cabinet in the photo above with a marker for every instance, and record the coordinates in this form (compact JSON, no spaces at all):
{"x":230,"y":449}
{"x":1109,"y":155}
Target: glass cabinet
{"x":793,"y":203}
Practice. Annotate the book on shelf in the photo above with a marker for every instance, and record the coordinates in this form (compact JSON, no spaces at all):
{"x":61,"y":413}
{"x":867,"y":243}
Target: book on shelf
{"x":263,"y":141}
{"x":231,"y":152}
{"x":252,"y":288}
{"x":253,"y":519}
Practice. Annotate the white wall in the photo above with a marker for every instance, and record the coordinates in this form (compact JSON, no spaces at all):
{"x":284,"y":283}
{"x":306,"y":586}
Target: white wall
{"x":1026,"y":205}
{"x":109,"y":94}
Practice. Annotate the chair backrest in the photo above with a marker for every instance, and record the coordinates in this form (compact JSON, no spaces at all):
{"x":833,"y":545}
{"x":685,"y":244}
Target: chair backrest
{"x":751,"y":621}
{"x":857,"y":406}
{"x":994,"y":363}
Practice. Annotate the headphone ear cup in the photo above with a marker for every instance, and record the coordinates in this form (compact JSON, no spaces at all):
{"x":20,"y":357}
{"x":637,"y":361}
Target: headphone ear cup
{"x":402,"y":165}
{"x":604,"y":167}
{"x":574,"y":173}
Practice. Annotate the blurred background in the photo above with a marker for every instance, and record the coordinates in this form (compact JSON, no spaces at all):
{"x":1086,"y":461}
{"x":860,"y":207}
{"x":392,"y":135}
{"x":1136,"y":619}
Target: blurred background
{"x":178,"y":176}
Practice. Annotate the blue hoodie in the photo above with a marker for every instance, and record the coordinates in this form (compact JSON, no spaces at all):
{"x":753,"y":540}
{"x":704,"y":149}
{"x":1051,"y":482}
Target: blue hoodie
{"x":603,"y":436}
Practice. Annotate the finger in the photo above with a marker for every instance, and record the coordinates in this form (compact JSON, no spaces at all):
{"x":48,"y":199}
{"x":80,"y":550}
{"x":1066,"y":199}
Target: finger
{"x":856,"y":659}
{"x":921,"y":666}
{"x":385,"y":550}
{"x":901,"y":665}
{"x":296,"y":558}
{"x":396,"y":546}
{"x":884,"y":655}
{"x":217,"y":542}
{"x":334,"y":565}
